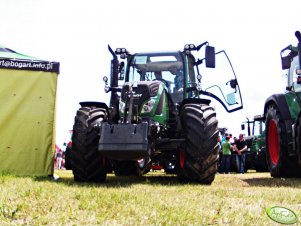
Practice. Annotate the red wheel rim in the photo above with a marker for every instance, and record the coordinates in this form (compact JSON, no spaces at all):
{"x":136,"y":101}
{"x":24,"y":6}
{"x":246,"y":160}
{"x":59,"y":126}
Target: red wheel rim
{"x":273,"y":142}
{"x":182,"y":158}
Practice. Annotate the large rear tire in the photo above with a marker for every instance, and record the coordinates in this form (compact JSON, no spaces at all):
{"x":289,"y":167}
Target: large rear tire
{"x":198,"y":159}
{"x":279,"y":163}
{"x":298,"y":141}
{"x":87,"y":162}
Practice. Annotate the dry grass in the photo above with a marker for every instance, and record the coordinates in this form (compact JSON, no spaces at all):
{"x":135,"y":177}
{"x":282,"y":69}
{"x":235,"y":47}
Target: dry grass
{"x":155,"y":199}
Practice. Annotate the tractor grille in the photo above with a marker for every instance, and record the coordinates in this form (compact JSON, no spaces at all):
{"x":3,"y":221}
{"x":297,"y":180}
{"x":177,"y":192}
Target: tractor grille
{"x":142,"y":93}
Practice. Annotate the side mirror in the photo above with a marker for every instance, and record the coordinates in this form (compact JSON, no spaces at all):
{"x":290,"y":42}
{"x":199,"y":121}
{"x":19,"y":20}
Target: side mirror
{"x":286,"y":62}
{"x":242,"y":126}
{"x":210,"y":56}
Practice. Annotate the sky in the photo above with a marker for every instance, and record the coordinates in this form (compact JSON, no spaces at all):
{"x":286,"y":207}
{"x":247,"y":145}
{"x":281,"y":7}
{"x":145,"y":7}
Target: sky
{"x":77,"y":33}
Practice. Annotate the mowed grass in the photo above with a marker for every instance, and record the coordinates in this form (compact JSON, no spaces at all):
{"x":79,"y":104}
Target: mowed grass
{"x":154,"y":199}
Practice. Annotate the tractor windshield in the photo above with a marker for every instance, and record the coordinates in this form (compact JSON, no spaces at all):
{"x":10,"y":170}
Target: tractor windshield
{"x":220,"y":83}
{"x":293,"y":77}
{"x":258,"y":127}
{"x":165,"y":67}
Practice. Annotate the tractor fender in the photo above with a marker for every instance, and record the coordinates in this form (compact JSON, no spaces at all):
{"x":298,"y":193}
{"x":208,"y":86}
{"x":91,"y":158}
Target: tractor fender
{"x":94,"y":103}
{"x":280,"y":101}
{"x":194,"y":101}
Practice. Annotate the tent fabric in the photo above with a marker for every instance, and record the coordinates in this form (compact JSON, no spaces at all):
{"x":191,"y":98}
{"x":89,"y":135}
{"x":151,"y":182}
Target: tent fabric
{"x":9,"y":53}
{"x":11,"y":59}
{"x":27,"y":119}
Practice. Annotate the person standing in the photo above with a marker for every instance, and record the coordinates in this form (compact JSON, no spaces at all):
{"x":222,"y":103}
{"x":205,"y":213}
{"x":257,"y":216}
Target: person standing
{"x":241,"y":148}
{"x":59,"y":159}
{"x":224,"y":137}
{"x":226,"y":157}
{"x":158,"y":75}
{"x":179,"y":79}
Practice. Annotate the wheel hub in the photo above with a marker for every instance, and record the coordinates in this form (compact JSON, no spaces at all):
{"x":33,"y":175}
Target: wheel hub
{"x":182,"y":158}
{"x":273,"y":142}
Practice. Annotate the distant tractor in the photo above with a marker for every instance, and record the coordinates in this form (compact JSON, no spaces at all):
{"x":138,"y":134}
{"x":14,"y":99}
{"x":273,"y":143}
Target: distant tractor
{"x":256,"y":154}
{"x":283,"y":118}
{"x":157,"y":114}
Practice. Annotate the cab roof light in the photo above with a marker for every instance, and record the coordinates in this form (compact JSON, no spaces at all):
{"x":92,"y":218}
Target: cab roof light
{"x":189,"y":47}
{"x":120,"y":51}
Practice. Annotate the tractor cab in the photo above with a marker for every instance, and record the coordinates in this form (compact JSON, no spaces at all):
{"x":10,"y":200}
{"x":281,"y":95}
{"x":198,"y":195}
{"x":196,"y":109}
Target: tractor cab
{"x":167,"y":68}
{"x":163,"y":80}
{"x":291,"y":61}
{"x":294,"y":78}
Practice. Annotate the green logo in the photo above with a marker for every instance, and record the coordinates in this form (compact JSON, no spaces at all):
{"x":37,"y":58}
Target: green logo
{"x":282,"y":215}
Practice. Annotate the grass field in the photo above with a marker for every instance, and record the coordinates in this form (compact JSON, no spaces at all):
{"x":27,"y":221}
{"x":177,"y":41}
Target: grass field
{"x":155,"y":199}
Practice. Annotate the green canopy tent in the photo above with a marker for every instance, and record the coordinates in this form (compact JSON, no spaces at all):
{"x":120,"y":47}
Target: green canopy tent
{"x":27,"y":116}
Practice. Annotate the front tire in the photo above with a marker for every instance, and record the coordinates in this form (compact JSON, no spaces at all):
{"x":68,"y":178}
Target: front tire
{"x":298,"y":141}
{"x":279,"y":163}
{"x":198,"y":159}
{"x":87,"y":162}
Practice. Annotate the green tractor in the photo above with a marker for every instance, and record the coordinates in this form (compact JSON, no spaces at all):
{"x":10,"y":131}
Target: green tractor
{"x":256,"y":154}
{"x":157,"y":113}
{"x":283,"y":118}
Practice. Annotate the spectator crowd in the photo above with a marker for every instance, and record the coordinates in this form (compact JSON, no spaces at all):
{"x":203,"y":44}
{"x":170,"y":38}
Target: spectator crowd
{"x":229,"y":149}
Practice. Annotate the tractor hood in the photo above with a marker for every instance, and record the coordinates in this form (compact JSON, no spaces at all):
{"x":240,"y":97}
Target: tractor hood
{"x":148,"y":97}
{"x":143,"y":90}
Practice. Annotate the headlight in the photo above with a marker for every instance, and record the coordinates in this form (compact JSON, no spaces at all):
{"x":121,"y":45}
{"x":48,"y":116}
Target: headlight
{"x":189,"y":47}
{"x":148,"y":106}
{"x":119,"y":51}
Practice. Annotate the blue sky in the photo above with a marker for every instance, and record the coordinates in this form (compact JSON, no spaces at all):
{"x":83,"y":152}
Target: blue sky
{"x":76,"y":33}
